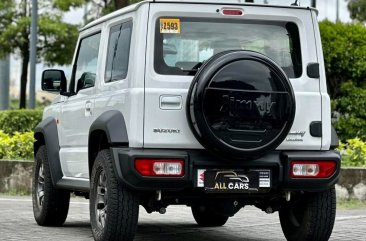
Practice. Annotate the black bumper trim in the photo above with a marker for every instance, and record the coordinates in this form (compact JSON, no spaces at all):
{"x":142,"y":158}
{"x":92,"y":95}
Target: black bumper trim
{"x":277,"y":161}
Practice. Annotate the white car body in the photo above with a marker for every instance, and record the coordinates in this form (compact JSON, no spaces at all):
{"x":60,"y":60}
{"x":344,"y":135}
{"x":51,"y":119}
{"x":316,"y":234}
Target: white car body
{"x":151,"y":101}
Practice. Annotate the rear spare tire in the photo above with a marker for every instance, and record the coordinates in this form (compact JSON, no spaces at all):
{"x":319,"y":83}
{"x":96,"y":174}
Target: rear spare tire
{"x":240,"y":104}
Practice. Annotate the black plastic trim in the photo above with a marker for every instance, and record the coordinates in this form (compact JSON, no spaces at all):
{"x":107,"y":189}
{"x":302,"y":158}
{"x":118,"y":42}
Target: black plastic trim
{"x":334,"y":143}
{"x":312,"y":70}
{"x":278,"y":162}
{"x":47,"y":129}
{"x":309,"y":183}
{"x":74,"y":185}
{"x":316,"y":129}
{"x":124,"y":167}
{"x":112,"y":123}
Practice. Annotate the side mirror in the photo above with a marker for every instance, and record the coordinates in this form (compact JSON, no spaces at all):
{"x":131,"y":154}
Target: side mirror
{"x":54,"y":80}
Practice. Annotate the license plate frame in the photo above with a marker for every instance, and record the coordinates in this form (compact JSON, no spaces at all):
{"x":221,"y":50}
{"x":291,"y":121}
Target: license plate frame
{"x":237,"y":181}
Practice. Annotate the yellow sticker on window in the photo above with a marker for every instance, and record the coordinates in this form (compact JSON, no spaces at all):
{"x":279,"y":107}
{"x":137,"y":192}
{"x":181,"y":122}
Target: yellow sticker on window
{"x":169,"y":25}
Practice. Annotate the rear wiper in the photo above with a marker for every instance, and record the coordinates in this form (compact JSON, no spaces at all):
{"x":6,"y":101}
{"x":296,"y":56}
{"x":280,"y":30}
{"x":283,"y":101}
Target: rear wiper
{"x":194,"y":68}
{"x":190,"y":70}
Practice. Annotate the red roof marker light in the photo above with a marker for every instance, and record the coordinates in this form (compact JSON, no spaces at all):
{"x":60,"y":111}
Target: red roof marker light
{"x":233,"y":12}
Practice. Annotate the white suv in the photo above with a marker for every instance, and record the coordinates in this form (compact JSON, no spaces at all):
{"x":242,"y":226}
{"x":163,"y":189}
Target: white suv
{"x":211,"y":104}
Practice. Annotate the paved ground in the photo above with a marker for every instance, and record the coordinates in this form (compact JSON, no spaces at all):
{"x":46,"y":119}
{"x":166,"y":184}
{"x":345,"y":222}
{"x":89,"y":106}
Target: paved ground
{"x":17,"y":223}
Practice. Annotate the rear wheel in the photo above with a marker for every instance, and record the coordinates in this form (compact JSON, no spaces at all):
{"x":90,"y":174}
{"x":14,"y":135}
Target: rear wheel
{"x":50,"y":205}
{"x":114,"y":209}
{"x":206,"y":217}
{"x":310,"y":217}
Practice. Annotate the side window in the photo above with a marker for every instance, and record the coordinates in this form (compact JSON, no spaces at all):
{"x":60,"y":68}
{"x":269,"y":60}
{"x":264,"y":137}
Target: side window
{"x":118,"y":52}
{"x":86,"y":64}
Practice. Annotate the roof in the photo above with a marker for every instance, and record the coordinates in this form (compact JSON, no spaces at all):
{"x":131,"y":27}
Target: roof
{"x":128,"y":9}
{"x":135,"y":6}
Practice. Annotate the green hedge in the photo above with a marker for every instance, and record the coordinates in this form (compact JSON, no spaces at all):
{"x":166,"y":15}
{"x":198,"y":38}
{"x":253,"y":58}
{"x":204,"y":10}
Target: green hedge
{"x":351,"y":109}
{"x":12,"y":121}
{"x":344,"y":47}
{"x":353,"y":153}
{"x":16,"y":147}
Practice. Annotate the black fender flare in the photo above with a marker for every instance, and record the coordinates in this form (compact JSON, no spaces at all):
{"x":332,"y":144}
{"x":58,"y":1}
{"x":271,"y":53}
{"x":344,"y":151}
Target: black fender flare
{"x":108,"y":130}
{"x":112,"y":123}
{"x":46,"y":134}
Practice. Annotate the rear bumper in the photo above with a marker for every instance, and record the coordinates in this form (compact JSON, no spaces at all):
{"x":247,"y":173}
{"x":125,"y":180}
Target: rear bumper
{"x":278,"y":162}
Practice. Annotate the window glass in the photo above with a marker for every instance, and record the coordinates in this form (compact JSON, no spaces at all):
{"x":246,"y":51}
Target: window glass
{"x":118,"y":52}
{"x":182,"y":51}
{"x":87,"y":60}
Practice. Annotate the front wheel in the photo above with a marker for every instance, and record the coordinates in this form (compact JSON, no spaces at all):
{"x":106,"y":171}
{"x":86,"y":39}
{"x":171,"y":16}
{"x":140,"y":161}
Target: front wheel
{"x":310,"y":217}
{"x":114,"y":209}
{"x":50,"y":205}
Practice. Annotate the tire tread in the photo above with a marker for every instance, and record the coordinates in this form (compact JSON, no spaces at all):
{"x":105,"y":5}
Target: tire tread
{"x":320,"y":212}
{"x":121,"y":224}
{"x":56,"y":202}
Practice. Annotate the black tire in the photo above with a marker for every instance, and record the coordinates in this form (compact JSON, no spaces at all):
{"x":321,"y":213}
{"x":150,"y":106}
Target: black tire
{"x":50,"y":205}
{"x":310,"y":217}
{"x":207,"y":218}
{"x":118,"y":207}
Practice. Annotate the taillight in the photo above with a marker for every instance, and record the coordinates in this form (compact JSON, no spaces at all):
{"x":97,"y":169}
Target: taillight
{"x":160,"y":167}
{"x":312,"y":169}
{"x":233,"y":12}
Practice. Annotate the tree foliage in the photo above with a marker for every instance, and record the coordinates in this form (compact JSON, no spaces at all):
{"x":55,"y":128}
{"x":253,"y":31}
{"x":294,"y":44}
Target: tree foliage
{"x":350,"y":109}
{"x":66,"y":5}
{"x":344,"y":47}
{"x":353,"y":153}
{"x":357,"y":9}
{"x":56,"y":39}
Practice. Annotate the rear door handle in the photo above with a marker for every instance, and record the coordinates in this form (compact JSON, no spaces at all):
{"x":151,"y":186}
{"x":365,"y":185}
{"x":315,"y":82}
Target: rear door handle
{"x":170,"y":102}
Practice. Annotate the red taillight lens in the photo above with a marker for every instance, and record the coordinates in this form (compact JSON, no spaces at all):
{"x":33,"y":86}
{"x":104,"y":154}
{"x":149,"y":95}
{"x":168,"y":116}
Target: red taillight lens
{"x":312,"y":169}
{"x":160,"y":167}
{"x":234,"y":12}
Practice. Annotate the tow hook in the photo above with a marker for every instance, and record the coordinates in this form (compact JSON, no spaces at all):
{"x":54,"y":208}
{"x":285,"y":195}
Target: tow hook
{"x":158,"y":195}
{"x":162,"y":210}
{"x":269,"y":210}
{"x":288,"y":196}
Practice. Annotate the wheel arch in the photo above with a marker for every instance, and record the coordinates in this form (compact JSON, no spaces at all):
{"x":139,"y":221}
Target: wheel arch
{"x":108,"y":130}
{"x":46,"y":134}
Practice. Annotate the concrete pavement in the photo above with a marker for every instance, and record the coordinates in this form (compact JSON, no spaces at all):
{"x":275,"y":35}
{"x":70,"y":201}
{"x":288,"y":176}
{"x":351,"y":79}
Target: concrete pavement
{"x":250,"y":224}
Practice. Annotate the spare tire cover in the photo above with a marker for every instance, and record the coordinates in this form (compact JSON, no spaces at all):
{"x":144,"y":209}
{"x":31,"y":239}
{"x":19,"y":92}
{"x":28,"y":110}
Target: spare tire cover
{"x":240,"y":104}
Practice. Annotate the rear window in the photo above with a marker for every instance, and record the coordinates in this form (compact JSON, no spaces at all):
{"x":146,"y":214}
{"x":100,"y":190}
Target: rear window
{"x":183,"y":44}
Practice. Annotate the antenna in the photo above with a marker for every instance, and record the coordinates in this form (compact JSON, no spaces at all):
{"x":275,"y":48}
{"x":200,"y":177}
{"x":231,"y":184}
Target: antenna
{"x":295,"y":3}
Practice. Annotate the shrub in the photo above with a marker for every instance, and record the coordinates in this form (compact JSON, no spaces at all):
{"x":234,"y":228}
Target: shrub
{"x":4,"y":139}
{"x":16,"y":147}
{"x":351,"y":107}
{"x":12,"y":121}
{"x":353,"y":153}
{"x":344,"y":46}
